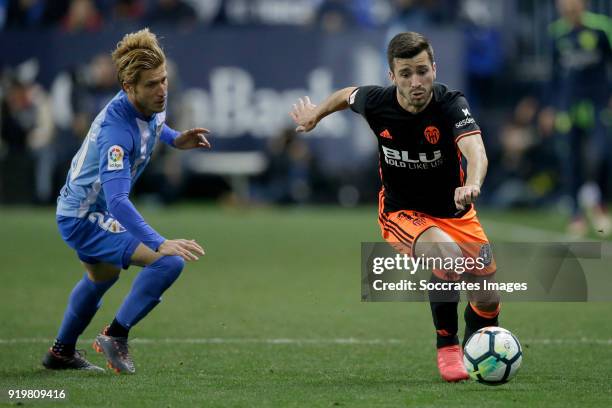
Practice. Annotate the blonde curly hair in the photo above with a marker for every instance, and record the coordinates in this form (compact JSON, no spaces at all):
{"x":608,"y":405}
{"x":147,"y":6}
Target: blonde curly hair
{"x":136,"y":52}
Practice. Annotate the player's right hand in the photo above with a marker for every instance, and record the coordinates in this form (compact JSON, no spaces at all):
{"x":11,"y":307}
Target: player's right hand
{"x":466,"y":195}
{"x":303,"y":114}
{"x":188,"y":249}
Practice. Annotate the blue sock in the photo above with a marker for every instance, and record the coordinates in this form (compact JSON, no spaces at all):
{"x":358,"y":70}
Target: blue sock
{"x":147,"y":289}
{"x":83,"y":303}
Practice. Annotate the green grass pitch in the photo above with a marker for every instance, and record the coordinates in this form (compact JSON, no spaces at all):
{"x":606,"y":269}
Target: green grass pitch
{"x":271,"y":316}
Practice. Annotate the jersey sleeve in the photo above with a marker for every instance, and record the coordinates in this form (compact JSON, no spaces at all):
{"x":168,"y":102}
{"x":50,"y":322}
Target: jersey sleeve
{"x":115,"y":146}
{"x":460,"y":117}
{"x":168,"y":135}
{"x":117,"y":195}
{"x":362,"y":99}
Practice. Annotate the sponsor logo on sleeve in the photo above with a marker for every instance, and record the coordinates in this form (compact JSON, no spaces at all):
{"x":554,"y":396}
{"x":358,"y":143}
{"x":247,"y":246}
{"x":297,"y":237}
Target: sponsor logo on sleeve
{"x":468,"y":120}
{"x":464,"y":122}
{"x":115,"y":158}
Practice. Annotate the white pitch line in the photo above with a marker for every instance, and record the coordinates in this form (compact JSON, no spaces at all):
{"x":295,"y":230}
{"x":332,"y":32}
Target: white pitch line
{"x":524,"y":233}
{"x":320,"y":341}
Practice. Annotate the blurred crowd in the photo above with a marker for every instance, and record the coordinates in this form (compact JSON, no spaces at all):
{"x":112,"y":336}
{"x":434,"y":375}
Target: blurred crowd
{"x":92,"y":15}
{"x":46,"y":126}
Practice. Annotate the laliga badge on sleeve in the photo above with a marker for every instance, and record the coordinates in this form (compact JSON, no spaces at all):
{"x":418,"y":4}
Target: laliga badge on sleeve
{"x":115,"y":158}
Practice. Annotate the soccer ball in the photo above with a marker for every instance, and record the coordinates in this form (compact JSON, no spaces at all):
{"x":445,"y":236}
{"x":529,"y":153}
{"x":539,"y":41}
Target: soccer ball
{"x":492,"y":355}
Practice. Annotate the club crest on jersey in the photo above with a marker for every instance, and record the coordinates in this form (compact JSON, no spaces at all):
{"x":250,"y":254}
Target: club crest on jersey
{"x":432,"y":134}
{"x":115,"y":158}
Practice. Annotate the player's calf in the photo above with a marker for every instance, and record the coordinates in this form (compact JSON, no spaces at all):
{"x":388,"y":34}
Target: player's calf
{"x":145,"y":294}
{"x":483,"y":307}
{"x":443,"y":305}
{"x":147,"y":289}
{"x":83,"y":303}
{"x":478,"y":315}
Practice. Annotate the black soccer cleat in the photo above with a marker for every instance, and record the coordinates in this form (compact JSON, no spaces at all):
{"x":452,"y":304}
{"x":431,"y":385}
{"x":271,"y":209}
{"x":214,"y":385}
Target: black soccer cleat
{"x":77,"y":361}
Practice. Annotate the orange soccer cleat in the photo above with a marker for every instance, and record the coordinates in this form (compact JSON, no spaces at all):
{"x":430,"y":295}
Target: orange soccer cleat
{"x":450,"y":364}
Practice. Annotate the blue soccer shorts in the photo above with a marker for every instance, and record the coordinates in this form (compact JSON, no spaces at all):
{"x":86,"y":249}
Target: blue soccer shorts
{"x":98,"y":238}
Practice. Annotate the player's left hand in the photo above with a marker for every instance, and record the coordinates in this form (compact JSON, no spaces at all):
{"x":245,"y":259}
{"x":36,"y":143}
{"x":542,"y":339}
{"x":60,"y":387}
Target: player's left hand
{"x":303,"y":114}
{"x":466,"y":195}
{"x":192,"y":139}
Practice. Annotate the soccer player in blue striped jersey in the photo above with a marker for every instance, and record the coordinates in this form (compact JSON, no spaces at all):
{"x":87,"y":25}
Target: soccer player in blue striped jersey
{"x":97,"y":219}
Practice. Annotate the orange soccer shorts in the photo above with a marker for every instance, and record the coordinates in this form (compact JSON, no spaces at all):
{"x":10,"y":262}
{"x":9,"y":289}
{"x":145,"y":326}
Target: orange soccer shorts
{"x":402,"y":228}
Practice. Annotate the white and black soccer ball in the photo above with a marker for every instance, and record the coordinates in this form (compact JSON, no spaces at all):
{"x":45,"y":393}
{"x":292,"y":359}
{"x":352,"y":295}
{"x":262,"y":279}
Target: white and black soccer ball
{"x":492,"y":355}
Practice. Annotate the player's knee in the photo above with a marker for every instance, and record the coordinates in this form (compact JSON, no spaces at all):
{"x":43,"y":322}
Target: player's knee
{"x":450,"y":250}
{"x":102,"y":273}
{"x":435,"y":243}
{"x":487,"y":305}
{"x":444,"y":251}
{"x":103,"y":279}
{"x":173,"y":266}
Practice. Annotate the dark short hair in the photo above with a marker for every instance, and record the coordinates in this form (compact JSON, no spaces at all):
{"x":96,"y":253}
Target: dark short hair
{"x":408,"y":45}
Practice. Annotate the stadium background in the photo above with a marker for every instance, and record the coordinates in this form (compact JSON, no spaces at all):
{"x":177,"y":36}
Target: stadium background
{"x":272,"y":316}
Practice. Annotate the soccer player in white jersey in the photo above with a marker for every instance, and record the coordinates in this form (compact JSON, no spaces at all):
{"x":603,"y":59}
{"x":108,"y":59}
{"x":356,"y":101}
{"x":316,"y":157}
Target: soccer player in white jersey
{"x":96,"y":218}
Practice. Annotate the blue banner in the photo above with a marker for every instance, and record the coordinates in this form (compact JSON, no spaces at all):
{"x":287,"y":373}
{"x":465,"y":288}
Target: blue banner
{"x":241,"y":82}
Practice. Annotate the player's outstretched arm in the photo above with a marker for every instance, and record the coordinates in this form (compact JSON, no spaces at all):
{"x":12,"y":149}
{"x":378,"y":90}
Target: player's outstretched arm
{"x":119,"y":204}
{"x":306,"y":115}
{"x":192,"y":139}
{"x":474,"y":151}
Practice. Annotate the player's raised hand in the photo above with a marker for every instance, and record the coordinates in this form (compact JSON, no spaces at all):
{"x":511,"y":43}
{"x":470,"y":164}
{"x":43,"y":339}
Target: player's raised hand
{"x":188,"y":249}
{"x":303,"y":114}
{"x":466,"y":195}
{"x":192,"y":139}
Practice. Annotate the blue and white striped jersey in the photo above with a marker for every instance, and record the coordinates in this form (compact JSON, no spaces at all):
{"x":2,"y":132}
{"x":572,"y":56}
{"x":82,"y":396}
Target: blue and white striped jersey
{"x":119,"y":144}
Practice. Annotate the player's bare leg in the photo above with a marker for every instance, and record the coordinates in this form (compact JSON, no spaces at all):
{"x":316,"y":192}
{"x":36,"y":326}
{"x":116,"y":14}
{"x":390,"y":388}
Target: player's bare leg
{"x":436,"y":243}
